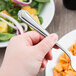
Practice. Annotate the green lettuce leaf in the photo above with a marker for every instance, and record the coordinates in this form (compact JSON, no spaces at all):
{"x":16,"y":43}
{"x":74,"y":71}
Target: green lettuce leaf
{"x":5,"y":36}
{"x":43,"y":1}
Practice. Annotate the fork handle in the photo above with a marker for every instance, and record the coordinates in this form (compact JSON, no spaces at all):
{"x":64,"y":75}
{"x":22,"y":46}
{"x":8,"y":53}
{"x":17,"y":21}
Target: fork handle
{"x":29,"y":20}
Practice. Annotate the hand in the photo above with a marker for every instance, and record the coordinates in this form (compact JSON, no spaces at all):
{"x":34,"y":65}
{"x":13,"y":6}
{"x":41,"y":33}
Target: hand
{"x":27,"y":54}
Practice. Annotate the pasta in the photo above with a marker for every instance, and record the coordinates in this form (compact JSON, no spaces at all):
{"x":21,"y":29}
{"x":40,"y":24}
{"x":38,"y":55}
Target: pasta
{"x":63,"y":68}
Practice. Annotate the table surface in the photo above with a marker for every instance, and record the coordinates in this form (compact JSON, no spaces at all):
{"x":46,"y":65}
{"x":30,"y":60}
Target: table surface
{"x":64,"y":21}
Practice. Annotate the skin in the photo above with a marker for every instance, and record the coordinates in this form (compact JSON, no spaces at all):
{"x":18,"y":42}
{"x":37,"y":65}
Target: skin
{"x":27,"y":54}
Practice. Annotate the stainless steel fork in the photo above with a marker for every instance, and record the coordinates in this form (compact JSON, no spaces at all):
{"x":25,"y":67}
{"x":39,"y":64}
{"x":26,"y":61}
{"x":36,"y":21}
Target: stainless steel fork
{"x":29,"y":20}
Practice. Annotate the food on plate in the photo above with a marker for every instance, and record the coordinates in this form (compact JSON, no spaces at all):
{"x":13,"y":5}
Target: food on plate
{"x":3,"y":27}
{"x":5,"y":36}
{"x":63,"y":68}
{"x":10,"y":24}
{"x":32,"y":12}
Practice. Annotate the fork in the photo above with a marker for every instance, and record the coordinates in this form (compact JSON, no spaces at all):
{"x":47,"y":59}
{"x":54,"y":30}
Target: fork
{"x":29,"y":20}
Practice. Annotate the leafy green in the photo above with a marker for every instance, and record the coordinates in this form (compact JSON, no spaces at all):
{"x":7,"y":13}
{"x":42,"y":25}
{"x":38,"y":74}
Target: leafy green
{"x":2,"y":5}
{"x":5,"y":4}
{"x":10,"y":29}
{"x":6,"y":36}
{"x":18,"y":19}
{"x":40,"y":7}
{"x":34,"y":4}
{"x":41,"y":20}
{"x":6,"y":0}
{"x":25,"y":0}
{"x":43,"y":1}
{"x":13,"y":11}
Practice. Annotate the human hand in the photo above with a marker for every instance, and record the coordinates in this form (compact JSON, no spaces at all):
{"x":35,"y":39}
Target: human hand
{"x":27,"y":54}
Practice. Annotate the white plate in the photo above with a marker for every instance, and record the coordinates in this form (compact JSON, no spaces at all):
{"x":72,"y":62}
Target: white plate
{"x":47,"y":15}
{"x":66,"y":41}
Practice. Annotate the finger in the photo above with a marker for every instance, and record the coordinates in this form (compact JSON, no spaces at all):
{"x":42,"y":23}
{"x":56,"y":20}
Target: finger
{"x":43,"y":65}
{"x":48,"y":56}
{"x":33,"y":37}
{"x":47,"y":43}
{"x":44,"y":62}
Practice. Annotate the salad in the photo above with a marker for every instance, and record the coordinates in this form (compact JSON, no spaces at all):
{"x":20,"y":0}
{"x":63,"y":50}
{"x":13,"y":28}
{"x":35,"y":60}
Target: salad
{"x":10,"y":24}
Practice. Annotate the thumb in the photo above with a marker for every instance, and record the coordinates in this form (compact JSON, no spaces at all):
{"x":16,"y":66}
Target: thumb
{"x":47,"y":44}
